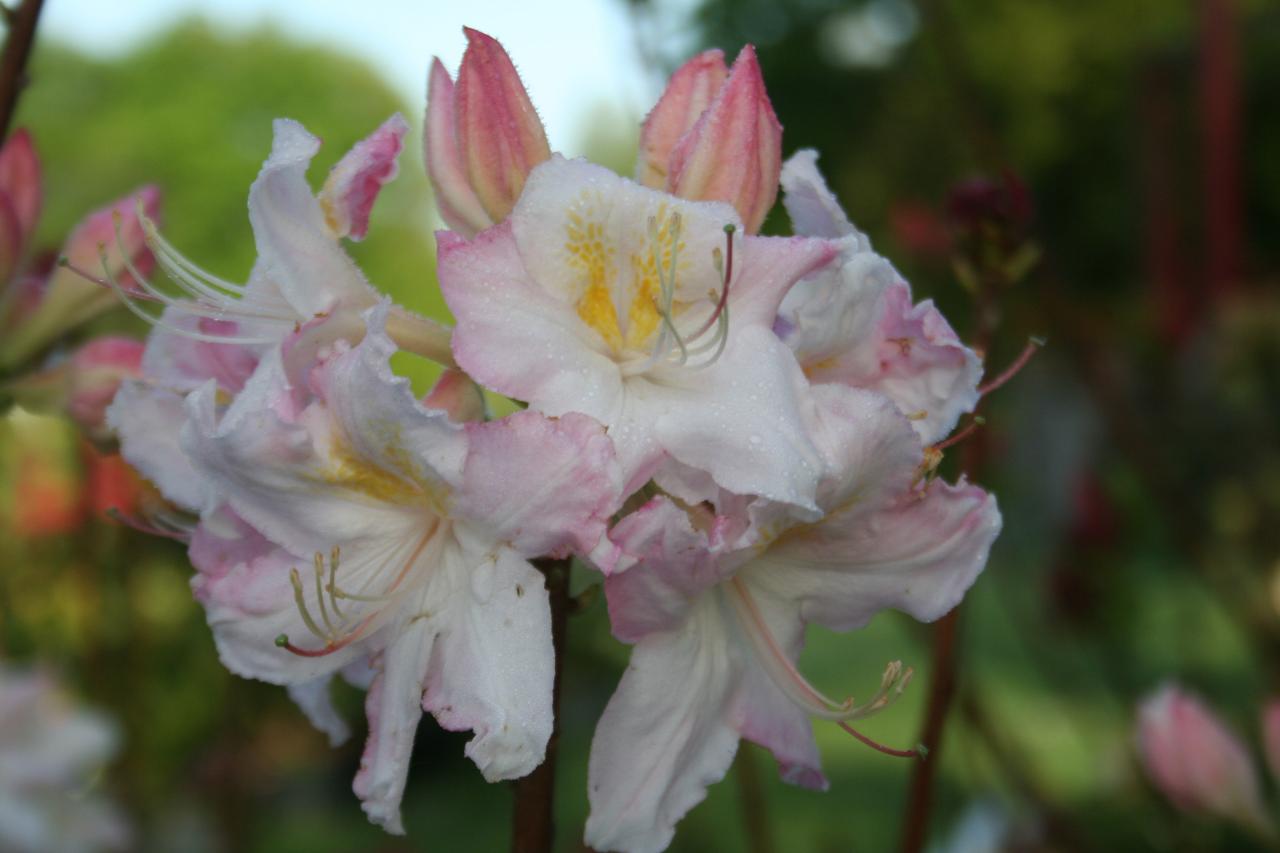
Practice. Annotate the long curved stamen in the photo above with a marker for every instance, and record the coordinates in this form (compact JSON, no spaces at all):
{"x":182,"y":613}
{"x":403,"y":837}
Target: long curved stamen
{"x":202,"y":298}
{"x":129,"y":301}
{"x":1013,"y":369}
{"x":795,"y":686}
{"x":155,"y":524}
{"x":337,"y":636}
{"x":726,"y":278}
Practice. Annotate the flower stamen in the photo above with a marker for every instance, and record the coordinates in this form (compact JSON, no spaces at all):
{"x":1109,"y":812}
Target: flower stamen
{"x":795,"y":686}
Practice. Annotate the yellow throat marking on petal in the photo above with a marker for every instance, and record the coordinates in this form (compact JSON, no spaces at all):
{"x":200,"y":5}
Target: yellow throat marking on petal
{"x":593,"y":256}
{"x":589,"y":253}
{"x":399,"y":484}
{"x":644,"y":317}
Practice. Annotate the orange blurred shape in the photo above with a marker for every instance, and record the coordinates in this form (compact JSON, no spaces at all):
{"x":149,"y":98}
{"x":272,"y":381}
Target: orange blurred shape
{"x":47,"y":499}
{"x":110,"y":484}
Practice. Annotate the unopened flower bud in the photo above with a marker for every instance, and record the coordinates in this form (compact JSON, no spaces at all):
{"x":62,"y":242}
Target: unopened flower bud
{"x":483,"y":136}
{"x":687,"y":96}
{"x":20,"y":200}
{"x":108,"y":244}
{"x":1195,"y":761}
{"x":457,"y":394}
{"x":733,"y":152}
{"x":455,"y":199}
{"x":96,"y":371}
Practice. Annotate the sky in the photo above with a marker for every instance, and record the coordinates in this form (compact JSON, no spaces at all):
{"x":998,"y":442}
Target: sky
{"x":573,"y":55}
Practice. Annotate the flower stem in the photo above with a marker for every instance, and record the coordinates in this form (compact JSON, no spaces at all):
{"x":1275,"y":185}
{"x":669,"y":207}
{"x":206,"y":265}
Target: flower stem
{"x":13,"y":61}
{"x":533,"y":820}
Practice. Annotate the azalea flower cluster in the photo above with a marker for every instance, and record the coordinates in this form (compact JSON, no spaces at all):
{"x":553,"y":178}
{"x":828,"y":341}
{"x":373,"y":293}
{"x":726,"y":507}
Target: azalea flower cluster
{"x":739,"y":432}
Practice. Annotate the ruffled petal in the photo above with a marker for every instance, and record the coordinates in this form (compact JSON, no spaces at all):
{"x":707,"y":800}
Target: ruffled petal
{"x":243,"y":582}
{"x":296,"y":249}
{"x":829,"y":318}
{"x":663,"y":738}
{"x":871,"y":454}
{"x":668,"y":565}
{"x":355,"y":468}
{"x":493,"y":667}
{"x":394,"y":707}
{"x":919,"y":555}
{"x":353,"y":186}
{"x":813,"y":208}
{"x":924,"y":366}
{"x":544,"y":486}
{"x":148,"y":421}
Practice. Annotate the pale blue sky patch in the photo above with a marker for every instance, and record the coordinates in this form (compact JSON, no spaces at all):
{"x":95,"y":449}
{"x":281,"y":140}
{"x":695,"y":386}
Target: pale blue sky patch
{"x":573,"y":55}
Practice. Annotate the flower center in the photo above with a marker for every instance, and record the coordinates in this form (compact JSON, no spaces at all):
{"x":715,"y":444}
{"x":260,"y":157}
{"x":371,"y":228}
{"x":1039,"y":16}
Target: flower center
{"x":338,"y":616}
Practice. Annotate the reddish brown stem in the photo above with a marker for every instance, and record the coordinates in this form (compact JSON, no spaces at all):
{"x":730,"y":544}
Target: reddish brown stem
{"x":13,"y":60}
{"x":533,"y":820}
{"x":942,"y":689}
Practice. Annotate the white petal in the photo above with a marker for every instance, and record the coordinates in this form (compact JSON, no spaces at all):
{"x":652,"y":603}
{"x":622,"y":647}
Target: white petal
{"x":394,"y":707}
{"x":315,"y":699}
{"x":813,"y":208}
{"x":493,"y":668}
{"x":919,"y":556}
{"x":295,"y":247}
{"x":663,"y":738}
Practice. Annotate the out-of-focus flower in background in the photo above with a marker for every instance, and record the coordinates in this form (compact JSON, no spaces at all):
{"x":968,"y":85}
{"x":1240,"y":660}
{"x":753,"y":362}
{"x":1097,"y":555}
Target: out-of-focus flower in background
{"x":1197,"y":762}
{"x":51,"y":752}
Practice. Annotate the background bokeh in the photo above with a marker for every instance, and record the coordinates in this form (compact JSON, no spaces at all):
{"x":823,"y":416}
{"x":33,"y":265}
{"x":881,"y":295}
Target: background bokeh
{"x":1104,"y":174}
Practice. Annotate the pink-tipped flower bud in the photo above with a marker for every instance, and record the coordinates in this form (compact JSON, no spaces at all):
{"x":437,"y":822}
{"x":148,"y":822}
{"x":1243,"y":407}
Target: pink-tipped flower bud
{"x":1195,"y":761}
{"x":457,"y":202}
{"x":20,"y":200}
{"x":687,"y":96}
{"x":499,"y":137}
{"x":733,"y":152}
{"x":83,"y":385}
{"x":354,"y":183}
{"x":20,"y":184}
{"x":457,"y":394}
{"x":109,"y":244}
{"x":96,"y":371}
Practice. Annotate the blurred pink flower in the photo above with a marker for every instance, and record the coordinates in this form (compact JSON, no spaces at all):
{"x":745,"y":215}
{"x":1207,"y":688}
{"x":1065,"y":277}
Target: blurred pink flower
{"x":1195,"y":761}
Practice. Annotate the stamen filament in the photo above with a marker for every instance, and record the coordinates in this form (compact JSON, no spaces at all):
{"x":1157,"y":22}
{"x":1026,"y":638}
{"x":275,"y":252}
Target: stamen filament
{"x":969,"y":430}
{"x":1012,"y":370}
{"x":300,"y":599}
{"x":879,"y":747}
{"x":795,"y":686}
{"x":324,"y":611}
